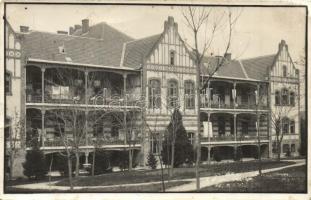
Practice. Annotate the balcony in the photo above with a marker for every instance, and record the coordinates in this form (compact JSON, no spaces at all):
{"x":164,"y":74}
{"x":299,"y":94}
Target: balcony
{"x":231,"y":138}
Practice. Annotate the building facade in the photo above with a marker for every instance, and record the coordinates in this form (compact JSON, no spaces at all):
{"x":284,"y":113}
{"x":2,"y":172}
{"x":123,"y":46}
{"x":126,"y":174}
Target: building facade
{"x":123,"y":91}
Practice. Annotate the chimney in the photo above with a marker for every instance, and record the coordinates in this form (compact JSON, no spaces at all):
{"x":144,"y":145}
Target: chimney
{"x":228,"y":56}
{"x":85,"y":25}
{"x":71,"y":30}
{"x":62,"y":32}
{"x":24,"y":29}
{"x":77,"y":26}
{"x":281,"y":44}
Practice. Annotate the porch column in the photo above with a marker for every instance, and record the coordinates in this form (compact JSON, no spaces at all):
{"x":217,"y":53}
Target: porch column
{"x":235,"y":134}
{"x":209,"y":154}
{"x":234,"y":95}
{"x":42,"y":84}
{"x":86,"y":73}
{"x":209,"y":95}
{"x":42,"y":127}
{"x":125,"y":104}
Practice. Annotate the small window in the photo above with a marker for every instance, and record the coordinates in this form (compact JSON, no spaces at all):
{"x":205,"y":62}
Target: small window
{"x":189,"y":95}
{"x":297,"y":73}
{"x":284,"y":97}
{"x":284,"y":71}
{"x":8,"y":83}
{"x":292,"y":99}
{"x":277,"y":98}
{"x":191,"y":137}
{"x":172,"y":57}
{"x":292,"y":127}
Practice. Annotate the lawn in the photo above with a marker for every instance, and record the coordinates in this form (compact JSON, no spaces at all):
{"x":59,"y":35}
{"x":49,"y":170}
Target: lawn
{"x":179,"y":173}
{"x":291,"y":180}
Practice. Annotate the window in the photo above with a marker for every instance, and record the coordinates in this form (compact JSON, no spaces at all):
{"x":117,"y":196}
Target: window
{"x":286,"y":148}
{"x":154,"y":93}
{"x":274,"y":147}
{"x":172,"y":93}
{"x":60,"y":92}
{"x":7,"y":130}
{"x":296,"y":73}
{"x":292,"y":127}
{"x":284,"y":97}
{"x":277,"y":98}
{"x":292,"y":147}
{"x":285,"y":123}
{"x":8,"y":83}
{"x":284,"y":71}
{"x":292,"y":99}
{"x":189,"y":95}
{"x":191,"y":137}
{"x":154,"y":144}
{"x":172,"y":57}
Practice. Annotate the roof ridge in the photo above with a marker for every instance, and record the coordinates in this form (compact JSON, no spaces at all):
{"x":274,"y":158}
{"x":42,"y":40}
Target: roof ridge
{"x":66,"y":35}
{"x":243,"y":69}
{"x":258,"y":57}
{"x":147,"y":37}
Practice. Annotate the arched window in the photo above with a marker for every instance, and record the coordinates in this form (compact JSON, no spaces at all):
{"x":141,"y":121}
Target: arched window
{"x":292,"y":127}
{"x":154,"y":93}
{"x":285,"y":124}
{"x":277,"y":98}
{"x":284,"y":71}
{"x":189,"y":95}
{"x":292,"y":98}
{"x":284,"y":97}
{"x":172,"y":93}
{"x":172,"y":57}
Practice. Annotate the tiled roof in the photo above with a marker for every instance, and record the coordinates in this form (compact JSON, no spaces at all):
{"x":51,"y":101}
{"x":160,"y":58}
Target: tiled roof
{"x":253,"y":68}
{"x":257,"y":68}
{"x":136,"y":50}
{"x":104,"y":31}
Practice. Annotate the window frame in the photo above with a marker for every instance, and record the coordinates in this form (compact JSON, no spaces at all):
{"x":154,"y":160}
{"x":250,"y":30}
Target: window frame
{"x":292,"y":127}
{"x":154,"y":101}
{"x":189,"y":93}
{"x":172,"y":61}
{"x":170,"y":98}
{"x":292,"y":98}
{"x":277,"y":98}
{"x":284,"y":71}
{"x":285,"y":125}
{"x":284,"y":95}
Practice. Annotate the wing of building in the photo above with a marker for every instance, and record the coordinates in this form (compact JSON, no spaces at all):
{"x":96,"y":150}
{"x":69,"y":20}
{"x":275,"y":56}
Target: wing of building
{"x":125,"y":89}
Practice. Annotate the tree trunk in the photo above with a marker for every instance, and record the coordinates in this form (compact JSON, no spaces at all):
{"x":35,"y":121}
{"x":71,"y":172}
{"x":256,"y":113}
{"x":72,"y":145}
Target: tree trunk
{"x":172,"y":160}
{"x":130,"y":160}
{"x":93,"y":162}
{"x":279,"y":151}
{"x":77,"y":164}
{"x":69,"y":171}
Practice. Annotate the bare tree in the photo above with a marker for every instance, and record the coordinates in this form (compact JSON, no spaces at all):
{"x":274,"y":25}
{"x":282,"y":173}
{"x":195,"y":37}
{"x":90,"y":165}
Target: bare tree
{"x":198,"y":20}
{"x":15,"y":131}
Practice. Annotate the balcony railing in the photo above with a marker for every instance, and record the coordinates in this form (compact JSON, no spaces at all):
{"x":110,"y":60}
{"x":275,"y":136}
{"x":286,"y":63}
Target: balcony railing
{"x":232,"y":138}
{"x":97,"y":142}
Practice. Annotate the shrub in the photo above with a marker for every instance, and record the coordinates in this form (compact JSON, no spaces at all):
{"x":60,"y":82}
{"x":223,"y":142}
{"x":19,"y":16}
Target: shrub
{"x":183,"y":148}
{"x":35,"y":165}
{"x":217,"y":155}
{"x":152,"y":161}
{"x":102,"y":162}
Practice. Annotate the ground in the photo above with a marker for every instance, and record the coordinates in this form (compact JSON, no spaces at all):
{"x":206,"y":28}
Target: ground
{"x":291,"y":180}
{"x":150,"y":180}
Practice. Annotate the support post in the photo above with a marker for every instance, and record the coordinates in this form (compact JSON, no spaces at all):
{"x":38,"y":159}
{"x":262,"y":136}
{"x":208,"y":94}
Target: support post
{"x":234,"y":95}
{"x":235,"y":135}
{"x":42,"y":127}
{"x":86,"y":73}
{"x":42,"y":84}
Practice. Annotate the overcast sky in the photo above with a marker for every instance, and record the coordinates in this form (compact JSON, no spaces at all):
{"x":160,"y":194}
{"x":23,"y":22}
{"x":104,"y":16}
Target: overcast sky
{"x":257,"y":31}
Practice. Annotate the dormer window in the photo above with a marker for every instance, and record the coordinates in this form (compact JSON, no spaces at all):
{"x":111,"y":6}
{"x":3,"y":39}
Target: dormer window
{"x":284,"y":71}
{"x":61,"y":49}
{"x":172,"y":57}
